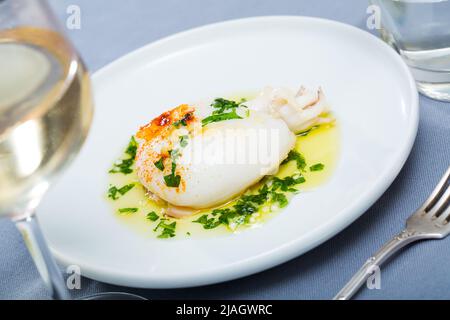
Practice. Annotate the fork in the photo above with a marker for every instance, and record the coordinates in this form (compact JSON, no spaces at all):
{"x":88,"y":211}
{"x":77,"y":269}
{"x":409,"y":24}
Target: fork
{"x":430,"y":221}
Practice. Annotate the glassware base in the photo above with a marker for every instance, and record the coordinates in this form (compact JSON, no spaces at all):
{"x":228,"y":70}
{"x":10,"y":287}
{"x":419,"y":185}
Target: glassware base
{"x":436,"y":91}
{"x":113,"y":296}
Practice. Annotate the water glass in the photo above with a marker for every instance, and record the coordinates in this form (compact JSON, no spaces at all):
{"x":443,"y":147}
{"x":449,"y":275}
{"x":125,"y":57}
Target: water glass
{"x":420,"y":32}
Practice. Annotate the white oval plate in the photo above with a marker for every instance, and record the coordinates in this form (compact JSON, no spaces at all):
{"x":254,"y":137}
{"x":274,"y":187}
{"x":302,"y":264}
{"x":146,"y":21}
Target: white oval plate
{"x":371,"y":92}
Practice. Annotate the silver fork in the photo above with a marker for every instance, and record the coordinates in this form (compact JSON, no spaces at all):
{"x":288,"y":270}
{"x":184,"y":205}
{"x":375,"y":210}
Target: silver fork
{"x":430,"y":221}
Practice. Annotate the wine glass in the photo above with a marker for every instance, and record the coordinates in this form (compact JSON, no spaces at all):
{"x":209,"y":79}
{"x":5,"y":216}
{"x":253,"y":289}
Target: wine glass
{"x":45,"y":113}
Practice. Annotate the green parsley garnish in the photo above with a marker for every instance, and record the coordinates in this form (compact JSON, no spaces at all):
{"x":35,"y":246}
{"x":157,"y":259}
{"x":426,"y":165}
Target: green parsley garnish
{"x":280,"y":198}
{"x":306,"y":132}
{"x":124,"y":165}
{"x":220,"y":117}
{"x":174,"y":154}
{"x":172,"y":180}
{"x":224,"y":110}
{"x":294,"y":155}
{"x":221,"y":105}
{"x":168,"y":229}
{"x":160,"y":164}
{"x":128,"y":210}
{"x":183,"y":122}
{"x":152,"y":216}
{"x":317,"y":167}
{"x":207,"y":223}
{"x":184,"y":141}
{"x":286,"y":184}
{"x":114,"y":192}
{"x":248,"y":204}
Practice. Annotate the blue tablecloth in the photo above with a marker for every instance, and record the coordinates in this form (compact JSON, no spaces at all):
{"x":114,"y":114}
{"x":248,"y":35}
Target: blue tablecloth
{"x":111,"y":29}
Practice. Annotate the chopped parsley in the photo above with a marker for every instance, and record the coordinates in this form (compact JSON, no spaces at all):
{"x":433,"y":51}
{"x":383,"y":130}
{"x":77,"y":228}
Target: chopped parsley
{"x":280,"y":198}
{"x":208,"y":223}
{"x":114,"y":192}
{"x":306,"y":132}
{"x":221,"y":105}
{"x":124,"y":165}
{"x":249,"y":204}
{"x":172,"y":180}
{"x":224,"y":110}
{"x":174,"y":154}
{"x":286,"y":184}
{"x":184,"y":141}
{"x":160,"y":164}
{"x":220,"y":117}
{"x":317,"y":167}
{"x":167,"y":229}
{"x":152,"y":216}
{"x":294,"y":155}
{"x":183,"y":121}
{"x":128,"y":210}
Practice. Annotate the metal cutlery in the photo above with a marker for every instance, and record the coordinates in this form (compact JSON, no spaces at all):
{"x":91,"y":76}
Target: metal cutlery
{"x":430,"y":221}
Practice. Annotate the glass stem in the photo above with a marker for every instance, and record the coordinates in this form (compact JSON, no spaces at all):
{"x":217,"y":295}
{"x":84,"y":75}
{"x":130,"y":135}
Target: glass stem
{"x":46,"y":265}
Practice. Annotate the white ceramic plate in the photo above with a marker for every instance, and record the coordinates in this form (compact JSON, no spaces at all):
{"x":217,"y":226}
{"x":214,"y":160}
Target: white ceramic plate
{"x":372,"y":94}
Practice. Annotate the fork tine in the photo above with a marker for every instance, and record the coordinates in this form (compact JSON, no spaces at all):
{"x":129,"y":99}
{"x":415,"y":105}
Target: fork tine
{"x":444,"y":218}
{"x":441,"y":205}
{"x":437,"y":192}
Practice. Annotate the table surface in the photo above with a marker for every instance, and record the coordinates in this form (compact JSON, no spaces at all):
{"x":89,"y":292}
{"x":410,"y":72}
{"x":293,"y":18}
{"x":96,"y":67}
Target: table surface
{"x":110,"y":29}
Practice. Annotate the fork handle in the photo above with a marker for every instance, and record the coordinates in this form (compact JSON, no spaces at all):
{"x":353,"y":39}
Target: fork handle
{"x":387,"y":250}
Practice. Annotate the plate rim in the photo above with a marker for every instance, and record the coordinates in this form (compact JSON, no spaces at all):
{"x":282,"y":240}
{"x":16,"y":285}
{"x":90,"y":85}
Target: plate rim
{"x":289,"y":250}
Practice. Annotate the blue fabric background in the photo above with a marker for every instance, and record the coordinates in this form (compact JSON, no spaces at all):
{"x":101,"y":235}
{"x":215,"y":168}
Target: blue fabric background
{"x":111,"y":29}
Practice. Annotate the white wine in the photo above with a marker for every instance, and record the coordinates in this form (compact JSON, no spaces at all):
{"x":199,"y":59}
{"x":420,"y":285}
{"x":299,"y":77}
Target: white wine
{"x":45,"y":113}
